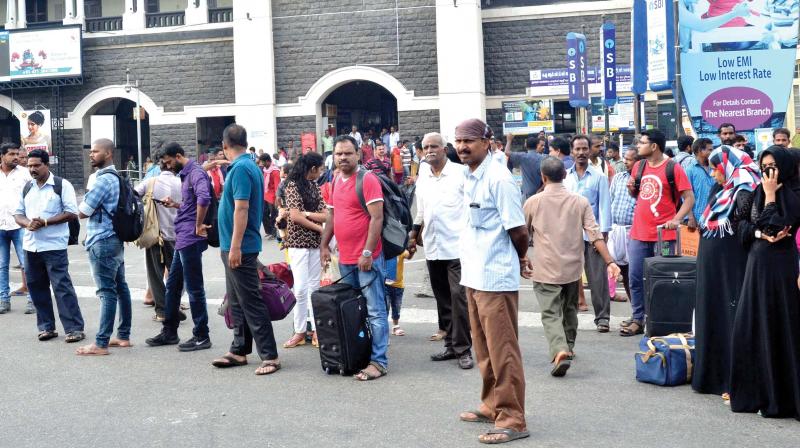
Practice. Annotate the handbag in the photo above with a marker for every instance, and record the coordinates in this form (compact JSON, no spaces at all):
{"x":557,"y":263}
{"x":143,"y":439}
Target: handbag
{"x":275,"y":292}
{"x":666,"y":360}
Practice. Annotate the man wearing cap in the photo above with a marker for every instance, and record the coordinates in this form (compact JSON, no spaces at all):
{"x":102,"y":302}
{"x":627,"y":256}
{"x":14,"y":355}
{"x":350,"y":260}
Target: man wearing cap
{"x":494,"y":246}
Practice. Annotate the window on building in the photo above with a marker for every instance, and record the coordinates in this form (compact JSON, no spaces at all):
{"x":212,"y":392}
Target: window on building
{"x":563,"y":117}
{"x":152,"y":6}
{"x":797,"y":70}
{"x":93,"y":8}
{"x":36,"y":11}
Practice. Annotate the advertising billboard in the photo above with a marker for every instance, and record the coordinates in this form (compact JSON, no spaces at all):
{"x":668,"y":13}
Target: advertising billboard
{"x":660,"y":47}
{"x":35,"y":130}
{"x":525,"y":117}
{"x":40,"y":53}
{"x":737,"y":62}
{"x":620,"y":116}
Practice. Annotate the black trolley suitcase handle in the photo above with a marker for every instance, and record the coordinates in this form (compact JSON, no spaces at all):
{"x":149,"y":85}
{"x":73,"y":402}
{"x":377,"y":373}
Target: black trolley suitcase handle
{"x":660,"y":230}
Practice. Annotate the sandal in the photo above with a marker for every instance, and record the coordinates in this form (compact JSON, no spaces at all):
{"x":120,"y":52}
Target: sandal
{"x":583,"y":308}
{"x":619,"y":298}
{"x":314,"y":340}
{"x":627,"y":322}
{"x":268,"y":367}
{"x":121,"y":343}
{"x":478,"y":417}
{"x":47,"y":335}
{"x":295,"y":341}
{"x":509,"y":434}
{"x":397,"y":331}
{"x":74,"y":336}
{"x":438,"y":336}
{"x":603,"y":328}
{"x":364,"y":375}
{"x":631,"y":330}
{"x":228,"y":361}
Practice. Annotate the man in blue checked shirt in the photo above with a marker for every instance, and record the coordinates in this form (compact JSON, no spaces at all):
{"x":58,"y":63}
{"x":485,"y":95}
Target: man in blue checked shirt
{"x":589,"y":182}
{"x":622,"y":205}
{"x":699,"y":176}
{"x":106,"y":253}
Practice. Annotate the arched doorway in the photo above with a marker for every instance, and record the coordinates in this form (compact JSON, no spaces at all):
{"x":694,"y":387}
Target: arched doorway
{"x":115,"y":118}
{"x":361,"y":103}
{"x":9,"y":127}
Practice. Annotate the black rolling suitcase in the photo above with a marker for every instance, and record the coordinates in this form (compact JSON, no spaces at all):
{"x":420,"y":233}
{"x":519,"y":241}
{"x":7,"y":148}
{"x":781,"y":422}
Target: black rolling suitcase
{"x":670,"y":284}
{"x":345,"y":342}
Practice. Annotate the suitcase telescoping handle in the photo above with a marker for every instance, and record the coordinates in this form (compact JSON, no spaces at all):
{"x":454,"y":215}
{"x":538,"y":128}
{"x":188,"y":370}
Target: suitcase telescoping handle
{"x":660,"y":230}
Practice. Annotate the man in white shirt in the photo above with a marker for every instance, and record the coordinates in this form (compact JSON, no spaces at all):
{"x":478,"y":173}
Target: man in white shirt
{"x":357,"y":135}
{"x":12,"y":181}
{"x":158,"y":258}
{"x":441,"y":217}
{"x":394,"y":139}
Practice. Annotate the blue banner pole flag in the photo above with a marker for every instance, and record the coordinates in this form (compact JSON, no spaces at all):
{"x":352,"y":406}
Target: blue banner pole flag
{"x":639,"y":47}
{"x":660,"y":45}
{"x":576,"y":69}
{"x":608,"y":41}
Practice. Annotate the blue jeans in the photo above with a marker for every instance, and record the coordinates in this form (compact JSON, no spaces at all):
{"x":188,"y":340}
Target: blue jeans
{"x":376,"y":304}
{"x":187,"y":269}
{"x":107,"y":258}
{"x":637,"y":252}
{"x":394,"y":296}
{"x":50,"y":268}
{"x":6,"y":238}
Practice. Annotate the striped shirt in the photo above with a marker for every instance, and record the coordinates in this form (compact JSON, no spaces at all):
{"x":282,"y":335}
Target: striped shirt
{"x":489,"y":261}
{"x":622,"y":203}
{"x":702,"y":183}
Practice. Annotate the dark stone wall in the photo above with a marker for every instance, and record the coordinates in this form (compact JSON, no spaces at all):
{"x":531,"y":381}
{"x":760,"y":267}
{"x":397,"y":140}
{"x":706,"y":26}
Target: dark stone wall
{"x":307,"y":45}
{"x":494,"y":118}
{"x":291,"y":128}
{"x":184,"y":134}
{"x":512,"y":49}
{"x":417,"y":123}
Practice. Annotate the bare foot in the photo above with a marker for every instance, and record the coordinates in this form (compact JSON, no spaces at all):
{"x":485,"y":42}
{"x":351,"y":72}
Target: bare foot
{"x":91,"y":350}
{"x":122,"y":343}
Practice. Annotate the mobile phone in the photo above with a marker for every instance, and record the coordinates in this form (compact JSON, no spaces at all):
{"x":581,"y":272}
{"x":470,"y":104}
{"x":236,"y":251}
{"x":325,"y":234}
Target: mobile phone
{"x":158,"y":201}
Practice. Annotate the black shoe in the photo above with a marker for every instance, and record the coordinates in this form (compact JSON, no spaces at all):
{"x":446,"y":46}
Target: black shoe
{"x":465,"y":361}
{"x":163,"y":339}
{"x":444,"y":356}
{"x":195,"y":344}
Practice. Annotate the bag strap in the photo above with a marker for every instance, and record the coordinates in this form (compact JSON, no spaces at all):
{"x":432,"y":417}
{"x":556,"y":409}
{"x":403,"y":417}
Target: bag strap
{"x":360,"y":189}
{"x":637,"y":180}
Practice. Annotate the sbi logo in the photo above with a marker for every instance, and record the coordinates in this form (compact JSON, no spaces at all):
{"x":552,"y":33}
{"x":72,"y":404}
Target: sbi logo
{"x":581,"y":46}
{"x":610,"y":43}
{"x":571,"y":52}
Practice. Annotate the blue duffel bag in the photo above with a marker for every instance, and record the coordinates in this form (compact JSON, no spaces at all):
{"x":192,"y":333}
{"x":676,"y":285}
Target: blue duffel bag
{"x":666,"y":360}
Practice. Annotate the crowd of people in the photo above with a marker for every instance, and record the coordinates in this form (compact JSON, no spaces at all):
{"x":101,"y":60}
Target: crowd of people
{"x":585,"y":207}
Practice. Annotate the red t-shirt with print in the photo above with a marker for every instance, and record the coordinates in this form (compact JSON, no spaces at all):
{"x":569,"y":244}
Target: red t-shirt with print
{"x":350,"y":220}
{"x":655,"y":204}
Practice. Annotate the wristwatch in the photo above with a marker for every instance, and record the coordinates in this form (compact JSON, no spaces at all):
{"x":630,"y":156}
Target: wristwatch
{"x":366,"y":253}
{"x":758,"y":234}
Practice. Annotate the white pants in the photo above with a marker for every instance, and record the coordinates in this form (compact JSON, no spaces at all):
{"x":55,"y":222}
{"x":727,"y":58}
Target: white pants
{"x":306,"y":270}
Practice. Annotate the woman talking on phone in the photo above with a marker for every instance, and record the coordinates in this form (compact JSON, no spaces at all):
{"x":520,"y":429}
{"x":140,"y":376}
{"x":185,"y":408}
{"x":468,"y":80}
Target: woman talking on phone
{"x":765,"y":355}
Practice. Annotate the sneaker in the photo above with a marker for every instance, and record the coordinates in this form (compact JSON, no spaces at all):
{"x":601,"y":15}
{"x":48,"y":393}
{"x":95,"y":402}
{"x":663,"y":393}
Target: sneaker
{"x":5,"y":307}
{"x":29,"y":309}
{"x":162,"y":339}
{"x":195,"y":344}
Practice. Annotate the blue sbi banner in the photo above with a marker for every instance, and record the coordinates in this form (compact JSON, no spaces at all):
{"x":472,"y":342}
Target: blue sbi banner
{"x":608,"y":40}
{"x":639,"y":46}
{"x":576,"y":70}
{"x":660,"y":44}
{"x":737,"y":62}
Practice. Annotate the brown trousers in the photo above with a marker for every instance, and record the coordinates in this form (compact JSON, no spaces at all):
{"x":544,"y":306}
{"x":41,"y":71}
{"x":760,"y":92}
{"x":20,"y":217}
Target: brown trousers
{"x":495,"y":339}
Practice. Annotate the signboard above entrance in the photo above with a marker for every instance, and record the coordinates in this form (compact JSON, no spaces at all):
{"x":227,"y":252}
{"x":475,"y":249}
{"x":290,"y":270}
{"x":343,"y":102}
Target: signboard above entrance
{"x":555,"y":82}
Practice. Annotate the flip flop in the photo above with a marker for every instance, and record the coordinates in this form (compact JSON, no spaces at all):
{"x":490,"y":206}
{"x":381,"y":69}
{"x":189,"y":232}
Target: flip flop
{"x":264,"y":364}
{"x":229,"y":361}
{"x":479,"y":418}
{"x":363,"y":375}
{"x":397,"y":331}
{"x":509,"y":433}
{"x":121,"y":343}
{"x":81,"y":352}
{"x":561,"y":367}
{"x":436,"y":337}
{"x":47,"y":335}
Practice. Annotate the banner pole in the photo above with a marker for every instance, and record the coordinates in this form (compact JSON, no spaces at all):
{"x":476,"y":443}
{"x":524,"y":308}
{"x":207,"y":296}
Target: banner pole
{"x":678,"y":91}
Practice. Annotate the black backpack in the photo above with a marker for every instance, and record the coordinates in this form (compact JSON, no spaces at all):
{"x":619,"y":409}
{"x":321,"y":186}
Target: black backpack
{"x":128,"y":218}
{"x":397,"y":220}
{"x":74,"y":224}
{"x":637,"y":181}
{"x":211,"y":218}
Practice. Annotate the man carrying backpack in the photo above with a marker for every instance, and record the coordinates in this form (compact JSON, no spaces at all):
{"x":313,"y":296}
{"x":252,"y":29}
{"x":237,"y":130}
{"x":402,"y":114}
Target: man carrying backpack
{"x":106,"y":252}
{"x":47,"y":205}
{"x":658,"y":184}
{"x":191,"y":240}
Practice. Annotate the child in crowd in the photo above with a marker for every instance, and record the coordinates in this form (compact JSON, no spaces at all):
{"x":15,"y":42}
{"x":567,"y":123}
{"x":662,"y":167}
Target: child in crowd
{"x":394,"y":289}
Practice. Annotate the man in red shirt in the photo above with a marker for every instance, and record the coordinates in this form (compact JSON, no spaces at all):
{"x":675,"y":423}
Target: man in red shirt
{"x":656,"y":204}
{"x":358,"y":235}
{"x":272,"y":178}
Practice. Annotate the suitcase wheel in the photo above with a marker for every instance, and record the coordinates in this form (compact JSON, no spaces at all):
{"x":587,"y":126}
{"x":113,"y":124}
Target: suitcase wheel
{"x":327,"y":370}
{"x":342,"y":372}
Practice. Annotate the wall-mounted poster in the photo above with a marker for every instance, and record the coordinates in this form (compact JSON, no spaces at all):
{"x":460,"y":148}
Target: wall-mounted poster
{"x":45,"y":53}
{"x":737,"y":62}
{"x":35,"y":130}
{"x":525,"y":117}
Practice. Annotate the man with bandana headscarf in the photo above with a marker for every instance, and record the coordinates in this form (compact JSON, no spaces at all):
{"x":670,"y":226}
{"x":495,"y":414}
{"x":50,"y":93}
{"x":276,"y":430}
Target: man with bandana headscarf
{"x":494,"y":246}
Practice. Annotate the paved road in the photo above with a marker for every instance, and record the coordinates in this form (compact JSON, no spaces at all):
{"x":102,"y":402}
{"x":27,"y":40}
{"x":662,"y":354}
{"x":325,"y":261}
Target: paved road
{"x":154,"y":397}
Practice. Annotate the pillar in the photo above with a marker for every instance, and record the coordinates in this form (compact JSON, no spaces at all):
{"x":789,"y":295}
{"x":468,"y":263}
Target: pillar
{"x":134,"y":20}
{"x":74,"y":13}
{"x":22,"y":13}
{"x":69,"y":11}
{"x":11,"y":14}
{"x":254,"y":72}
{"x":197,"y":13}
{"x":459,"y":54}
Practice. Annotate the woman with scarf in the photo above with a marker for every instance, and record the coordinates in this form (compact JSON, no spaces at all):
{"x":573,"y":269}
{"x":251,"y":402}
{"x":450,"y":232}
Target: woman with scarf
{"x":720,"y":266}
{"x":765,"y":347}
